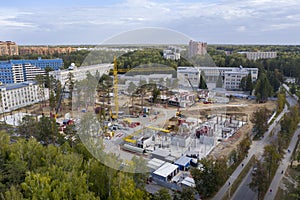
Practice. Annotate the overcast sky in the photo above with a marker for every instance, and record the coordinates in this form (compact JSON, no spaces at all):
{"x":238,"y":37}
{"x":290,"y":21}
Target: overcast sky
{"x":93,"y":21}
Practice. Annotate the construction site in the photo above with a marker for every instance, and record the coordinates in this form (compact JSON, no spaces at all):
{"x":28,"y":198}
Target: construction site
{"x":170,"y":123}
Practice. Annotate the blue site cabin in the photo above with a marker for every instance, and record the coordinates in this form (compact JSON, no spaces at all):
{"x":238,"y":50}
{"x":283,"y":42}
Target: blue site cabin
{"x":183,"y":163}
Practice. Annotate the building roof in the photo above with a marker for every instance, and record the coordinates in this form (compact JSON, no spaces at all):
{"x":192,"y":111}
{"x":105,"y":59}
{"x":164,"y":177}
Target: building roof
{"x":17,"y":85}
{"x":161,"y":152}
{"x":165,"y":170}
{"x":183,"y":161}
{"x":155,"y":163}
{"x":188,"y":181}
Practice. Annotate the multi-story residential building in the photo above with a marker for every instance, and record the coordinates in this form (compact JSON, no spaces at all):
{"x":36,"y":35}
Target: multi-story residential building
{"x":16,"y":71}
{"x":197,"y":48}
{"x":231,"y":76}
{"x":259,"y":55}
{"x":8,"y":48}
{"x":18,"y":95}
{"x":79,"y":73}
{"x":172,"y":53}
{"x":45,"y":50}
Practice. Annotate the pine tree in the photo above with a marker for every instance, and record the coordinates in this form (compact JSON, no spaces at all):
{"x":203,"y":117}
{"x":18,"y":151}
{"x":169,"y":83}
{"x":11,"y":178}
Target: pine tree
{"x":202,"y":83}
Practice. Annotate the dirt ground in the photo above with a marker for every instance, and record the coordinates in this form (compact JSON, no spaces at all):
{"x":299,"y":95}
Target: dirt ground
{"x":240,"y":108}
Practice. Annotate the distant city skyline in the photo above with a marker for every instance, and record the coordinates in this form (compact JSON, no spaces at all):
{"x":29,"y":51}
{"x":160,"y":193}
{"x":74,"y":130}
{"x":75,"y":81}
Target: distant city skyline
{"x":76,"y":22}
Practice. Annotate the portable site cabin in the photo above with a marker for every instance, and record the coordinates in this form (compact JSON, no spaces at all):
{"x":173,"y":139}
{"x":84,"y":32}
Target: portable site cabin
{"x":166,"y":172}
{"x":183,"y":163}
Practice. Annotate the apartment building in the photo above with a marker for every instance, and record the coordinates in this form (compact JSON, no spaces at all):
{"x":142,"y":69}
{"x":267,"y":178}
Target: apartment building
{"x":8,"y":48}
{"x":16,"y":71}
{"x":18,"y":95}
{"x":197,"y":48}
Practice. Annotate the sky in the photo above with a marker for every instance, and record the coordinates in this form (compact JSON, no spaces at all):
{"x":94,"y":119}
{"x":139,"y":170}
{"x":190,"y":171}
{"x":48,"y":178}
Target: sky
{"x":67,"y":22}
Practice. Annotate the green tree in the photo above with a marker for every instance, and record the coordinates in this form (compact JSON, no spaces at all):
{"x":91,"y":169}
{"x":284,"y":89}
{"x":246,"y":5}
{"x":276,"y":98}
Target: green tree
{"x":13,"y":193}
{"x":187,"y":194}
{"x":202,"y":83}
{"x":293,"y":89}
{"x":155,"y":94}
{"x":52,"y":100}
{"x":271,"y":159}
{"x":263,"y":89}
{"x":162,"y":194}
{"x":219,"y":83}
{"x":211,"y":170}
{"x":243,"y":148}
{"x":131,"y":87}
{"x":28,"y":126}
{"x":281,"y":100}
{"x":259,"y":182}
{"x":249,"y":83}
{"x":47,"y":130}
{"x":41,"y":83}
{"x":260,"y":121}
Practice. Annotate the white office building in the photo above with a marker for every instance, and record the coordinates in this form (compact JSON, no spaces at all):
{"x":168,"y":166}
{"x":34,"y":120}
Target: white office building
{"x":232,"y":79}
{"x":212,"y":73}
{"x":79,"y":73}
{"x":231,"y":76}
{"x":18,"y":95}
{"x":189,"y":77}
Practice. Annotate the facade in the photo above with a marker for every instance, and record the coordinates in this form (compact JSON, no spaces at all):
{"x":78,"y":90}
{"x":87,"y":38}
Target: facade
{"x":45,"y":50}
{"x":231,"y":76}
{"x":18,"y":95}
{"x":188,"y":77}
{"x":212,"y":73}
{"x":259,"y":55}
{"x":80,"y":73}
{"x":232,"y":79}
{"x":172,"y":53}
{"x":16,"y":71}
{"x":197,"y":48}
{"x":8,"y":48}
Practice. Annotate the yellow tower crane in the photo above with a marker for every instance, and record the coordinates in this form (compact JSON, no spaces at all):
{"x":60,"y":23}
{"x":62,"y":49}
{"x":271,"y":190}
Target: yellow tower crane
{"x":115,"y":73}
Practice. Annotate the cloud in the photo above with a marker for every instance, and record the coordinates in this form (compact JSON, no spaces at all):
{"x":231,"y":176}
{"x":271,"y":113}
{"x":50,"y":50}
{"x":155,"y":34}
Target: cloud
{"x":219,"y":20}
{"x":12,"y":19}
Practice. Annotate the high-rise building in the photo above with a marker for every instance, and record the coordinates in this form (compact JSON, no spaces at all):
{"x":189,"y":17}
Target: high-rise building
{"x":8,"y":48}
{"x":197,"y":48}
{"x":16,"y":71}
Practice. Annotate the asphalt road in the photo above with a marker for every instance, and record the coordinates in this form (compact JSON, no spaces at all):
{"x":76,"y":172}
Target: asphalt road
{"x":247,"y":193}
{"x":282,"y":167}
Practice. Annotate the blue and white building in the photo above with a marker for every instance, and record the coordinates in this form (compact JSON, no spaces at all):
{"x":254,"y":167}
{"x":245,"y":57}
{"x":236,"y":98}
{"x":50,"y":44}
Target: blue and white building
{"x":17,"y":71}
